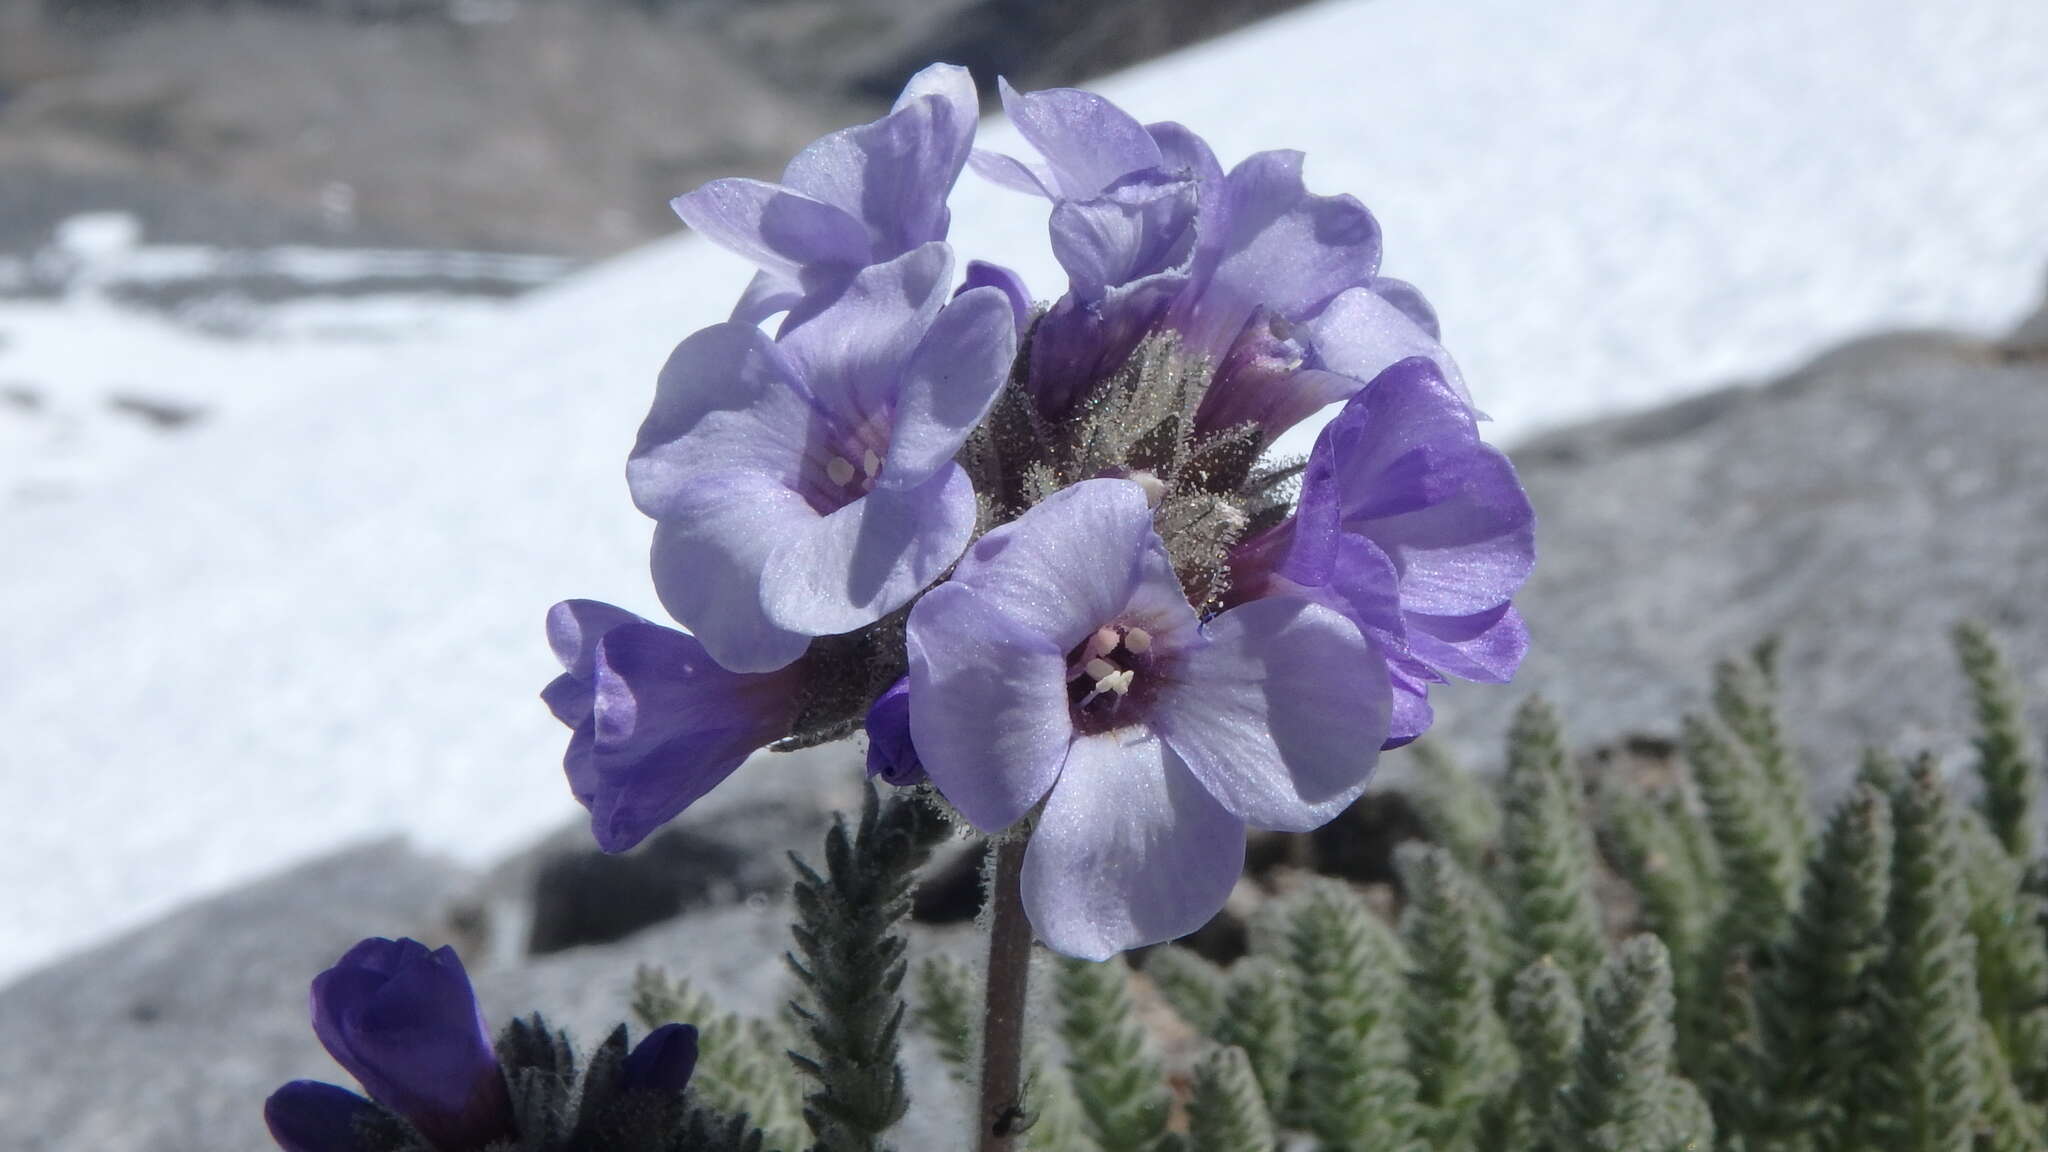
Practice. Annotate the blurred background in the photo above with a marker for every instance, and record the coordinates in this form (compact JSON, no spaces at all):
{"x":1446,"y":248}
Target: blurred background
{"x":325,"y":326}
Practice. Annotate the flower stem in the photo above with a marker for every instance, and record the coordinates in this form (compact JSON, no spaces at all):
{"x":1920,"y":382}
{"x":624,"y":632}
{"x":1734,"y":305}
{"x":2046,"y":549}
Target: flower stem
{"x":1002,"y":1024}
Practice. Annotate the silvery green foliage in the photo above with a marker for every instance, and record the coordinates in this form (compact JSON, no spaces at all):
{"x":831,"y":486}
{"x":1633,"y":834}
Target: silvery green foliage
{"x":1056,"y":1122}
{"x":1822,"y":998}
{"x":1259,"y":1017}
{"x":1659,"y":844}
{"x":1552,"y":910}
{"x":1738,"y":760}
{"x":1759,"y":857}
{"x":1117,"y":1079}
{"x":1460,"y":811}
{"x":1932,"y":1081}
{"x":947,"y":995}
{"x":742,"y":1065}
{"x":1228,"y":1112}
{"x":1463,"y":815}
{"x":2010,"y":772}
{"x":2006,"y":1122}
{"x":1457,"y":1041}
{"x":1882,"y":984}
{"x":1545,"y":1021}
{"x":1625,"y":1096}
{"x":948,"y":1003}
{"x":2012,"y":953}
{"x":1357,"y":1092}
{"x":1192,"y":985}
{"x":1745,"y":700}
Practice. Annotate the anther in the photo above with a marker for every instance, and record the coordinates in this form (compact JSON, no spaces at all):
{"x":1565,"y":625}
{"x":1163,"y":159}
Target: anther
{"x":1099,"y":670}
{"x":1138,"y":640}
{"x":1104,"y":641}
{"x":870,"y":463}
{"x":840,"y":469}
{"x":1155,"y":488}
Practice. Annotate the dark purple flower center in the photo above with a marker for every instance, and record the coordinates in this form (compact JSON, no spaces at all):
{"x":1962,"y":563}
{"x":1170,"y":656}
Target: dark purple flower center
{"x":842,"y":464}
{"x":1110,"y":676}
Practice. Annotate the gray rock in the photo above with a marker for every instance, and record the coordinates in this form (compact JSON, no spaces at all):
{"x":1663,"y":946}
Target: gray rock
{"x":731,"y":846}
{"x":1858,"y":508}
{"x":169,"y":1038}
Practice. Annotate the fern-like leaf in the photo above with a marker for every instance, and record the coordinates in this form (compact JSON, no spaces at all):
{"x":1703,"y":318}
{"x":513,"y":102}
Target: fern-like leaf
{"x":1356,"y":1092}
{"x":1227,"y":1112}
{"x":2010,"y":771}
{"x":1117,"y":1080}
{"x":1551,"y":905}
{"x":849,"y":961}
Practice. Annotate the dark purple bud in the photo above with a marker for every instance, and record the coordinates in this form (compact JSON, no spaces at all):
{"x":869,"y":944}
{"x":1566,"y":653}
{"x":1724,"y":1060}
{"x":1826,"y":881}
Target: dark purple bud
{"x":308,"y":1116}
{"x":662,"y":1061}
{"x":982,"y":274}
{"x":404,"y":1021}
{"x":890,"y":753}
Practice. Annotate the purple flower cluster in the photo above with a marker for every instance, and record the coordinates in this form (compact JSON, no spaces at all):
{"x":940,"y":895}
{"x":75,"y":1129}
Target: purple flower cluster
{"x":403,"y":1020}
{"x":1087,"y":605}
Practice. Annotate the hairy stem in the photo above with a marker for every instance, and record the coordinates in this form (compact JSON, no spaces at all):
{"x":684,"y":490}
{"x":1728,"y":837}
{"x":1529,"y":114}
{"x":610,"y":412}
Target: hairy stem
{"x":1002,"y":1023}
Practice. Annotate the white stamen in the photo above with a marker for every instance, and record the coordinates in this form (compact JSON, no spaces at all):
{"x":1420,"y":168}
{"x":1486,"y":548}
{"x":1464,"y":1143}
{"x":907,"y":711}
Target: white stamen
{"x":840,"y":469}
{"x":1099,"y":670}
{"x":1109,"y":682}
{"x":870,"y":463}
{"x":1138,"y":640}
{"x":1155,"y":488}
{"x":1103,"y":642}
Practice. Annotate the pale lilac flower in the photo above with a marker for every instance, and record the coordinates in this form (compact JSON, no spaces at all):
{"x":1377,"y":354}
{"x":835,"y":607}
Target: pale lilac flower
{"x":1062,"y":664}
{"x":805,"y":486}
{"x":1416,"y":529}
{"x":1277,"y":287}
{"x":860,"y":196}
{"x":982,"y":274}
{"x":1123,"y":226}
{"x":657,"y":723}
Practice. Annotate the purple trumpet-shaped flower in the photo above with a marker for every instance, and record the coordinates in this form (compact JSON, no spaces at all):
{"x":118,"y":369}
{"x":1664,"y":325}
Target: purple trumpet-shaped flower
{"x":657,"y":723}
{"x":1125,"y":200}
{"x":1415,"y":529}
{"x":860,"y":196}
{"x":891,"y":755}
{"x":1062,"y":665}
{"x":1277,"y":287}
{"x":404,"y":1022}
{"x":805,"y":486}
